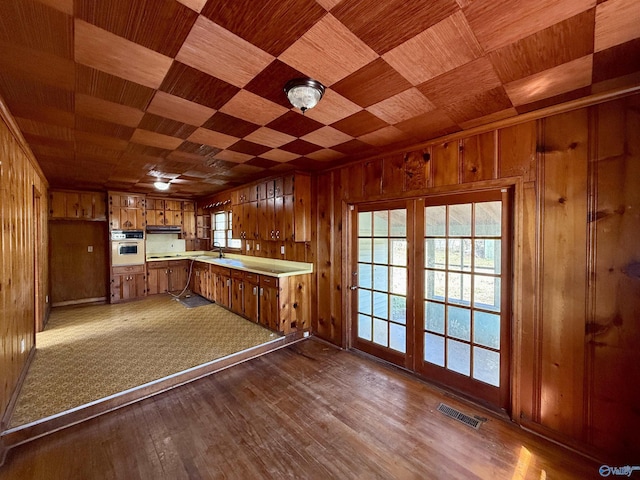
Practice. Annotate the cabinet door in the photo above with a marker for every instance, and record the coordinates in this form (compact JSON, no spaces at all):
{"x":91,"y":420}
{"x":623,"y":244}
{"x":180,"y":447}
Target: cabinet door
{"x":237,"y":229}
{"x":85,"y":206}
{"x":278,"y":218}
{"x":223,"y":290}
{"x":99,"y":206}
{"x":189,"y":225}
{"x":207,"y":284}
{"x":266,"y":219}
{"x":177,"y":276}
{"x":57,"y":204}
{"x":137,"y":285}
{"x":268,"y":303}
{"x":152,"y":281}
{"x":117,"y":285}
{"x":155,"y":217}
{"x":288,"y":218}
{"x":195,"y":283}
{"x":251,"y":301}
{"x":173,"y":217}
{"x":250,"y":220}
{"x":237,"y":295}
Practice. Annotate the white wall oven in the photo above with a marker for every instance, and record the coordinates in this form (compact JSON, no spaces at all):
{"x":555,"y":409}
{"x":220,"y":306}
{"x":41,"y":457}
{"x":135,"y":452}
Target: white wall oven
{"x":127,"y":247}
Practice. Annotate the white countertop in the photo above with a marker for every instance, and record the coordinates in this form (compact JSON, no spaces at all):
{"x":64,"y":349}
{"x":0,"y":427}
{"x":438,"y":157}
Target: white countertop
{"x":262,"y":266}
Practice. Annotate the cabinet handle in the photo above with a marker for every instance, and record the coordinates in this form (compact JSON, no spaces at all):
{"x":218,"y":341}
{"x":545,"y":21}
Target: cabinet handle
{"x":255,"y":291}
{"x":277,"y":233}
{"x":261,"y":291}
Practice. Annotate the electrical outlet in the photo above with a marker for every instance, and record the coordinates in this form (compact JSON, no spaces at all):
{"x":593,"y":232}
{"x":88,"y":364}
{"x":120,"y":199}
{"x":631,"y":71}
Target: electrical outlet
{"x":248,"y":247}
{"x":90,"y":249}
{"x":281,"y":249}
{"x":22,"y":347}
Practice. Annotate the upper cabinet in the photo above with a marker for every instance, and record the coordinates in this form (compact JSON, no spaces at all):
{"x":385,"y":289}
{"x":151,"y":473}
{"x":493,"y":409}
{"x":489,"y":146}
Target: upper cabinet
{"x":77,"y":205}
{"x":275,"y":210}
{"x":126,"y":211}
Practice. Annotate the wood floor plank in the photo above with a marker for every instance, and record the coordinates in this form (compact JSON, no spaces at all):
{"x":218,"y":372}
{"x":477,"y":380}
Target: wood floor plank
{"x":306,"y":411}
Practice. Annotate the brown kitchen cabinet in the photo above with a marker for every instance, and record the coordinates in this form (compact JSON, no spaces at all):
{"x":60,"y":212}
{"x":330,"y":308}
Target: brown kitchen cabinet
{"x":128,"y":283}
{"x":189,"y":231}
{"x":284,"y":303}
{"x":244,"y":294}
{"x":221,"y":282}
{"x":284,"y":209}
{"x":126,"y":211}
{"x":71,"y":204}
{"x":201,"y":283}
{"x":167,"y":276}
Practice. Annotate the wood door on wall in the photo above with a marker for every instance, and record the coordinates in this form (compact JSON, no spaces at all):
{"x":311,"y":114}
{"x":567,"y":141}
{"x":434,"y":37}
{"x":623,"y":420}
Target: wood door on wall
{"x":78,"y":274}
{"x":430,"y":279}
{"x":465,"y":316}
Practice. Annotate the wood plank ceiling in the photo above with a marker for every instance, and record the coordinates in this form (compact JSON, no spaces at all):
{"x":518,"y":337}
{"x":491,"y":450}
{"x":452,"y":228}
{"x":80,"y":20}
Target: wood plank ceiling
{"x":112,"y":94}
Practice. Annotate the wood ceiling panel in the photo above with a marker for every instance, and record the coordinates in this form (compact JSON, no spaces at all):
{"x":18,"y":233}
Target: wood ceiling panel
{"x":270,"y":82}
{"x":195,"y":5}
{"x":402,"y":106}
{"x":359,"y":124}
{"x":65,"y":6}
{"x":326,"y":155}
{"x":262,"y":162}
{"x":66,"y":145}
{"x":250,"y":148}
{"x":327,"y":137}
{"x":104,"y":51}
{"x":21,"y":92}
{"x":328,"y":52}
{"x":158,"y":124}
{"x":618,"y":61}
{"x":100,"y":109}
{"x":214,"y":139}
{"x":492,"y":117}
{"x":40,"y":66}
{"x":332,"y":108}
{"x":497,"y":24}
{"x":218,"y":52}
{"x":186,"y":82}
{"x":278,"y":155}
{"x":102,"y":141}
{"x":481,"y":105}
{"x":560,"y":43}
{"x":271,"y":138}
{"x":355,"y":147}
{"x":45,"y":129}
{"x":300,"y":147}
{"x":439,"y":49}
{"x":429,"y":125}
{"x":160,"y":25}
{"x":617,"y":21}
{"x":463,"y":82}
{"x":198,"y":149}
{"x":99,"y":84}
{"x":385,"y":136}
{"x":557,"y":80}
{"x":235,"y":157}
{"x":45,"y":114}
{"x":252,"y":108}
{"x":271,"y":25}
{"x":236,"y":127}
{"x":372,"y":84}
{"x":294,"y":124}
{"x":103,"y":127}
{"x":385,"y":25}
{"x":36,"y":26}
{"x":179,"y":109}
{"x":145,"y":152}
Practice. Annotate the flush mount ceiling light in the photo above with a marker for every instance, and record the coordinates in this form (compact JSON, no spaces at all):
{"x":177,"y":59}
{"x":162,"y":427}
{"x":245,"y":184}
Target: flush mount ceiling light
{"x":161,"y":185}
{"x":304,"y":93}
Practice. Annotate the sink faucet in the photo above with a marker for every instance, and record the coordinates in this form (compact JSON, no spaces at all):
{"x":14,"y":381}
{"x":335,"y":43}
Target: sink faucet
{"x":220,"y":247}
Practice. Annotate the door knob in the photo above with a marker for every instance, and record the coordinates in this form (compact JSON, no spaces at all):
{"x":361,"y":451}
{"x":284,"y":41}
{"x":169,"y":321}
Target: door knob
{"x":353,"y":287}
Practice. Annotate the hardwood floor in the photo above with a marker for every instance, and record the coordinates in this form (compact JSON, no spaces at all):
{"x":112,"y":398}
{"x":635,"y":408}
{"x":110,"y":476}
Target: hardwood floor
{"x":306,"y":411}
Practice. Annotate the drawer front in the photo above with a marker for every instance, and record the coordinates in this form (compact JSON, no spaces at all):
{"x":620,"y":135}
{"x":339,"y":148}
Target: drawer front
{"x":266,"y":281}
{"x":252,"y":277}
{"x":158,"y":265}
{"x":128,"y":269}
{"x":237,"y":274}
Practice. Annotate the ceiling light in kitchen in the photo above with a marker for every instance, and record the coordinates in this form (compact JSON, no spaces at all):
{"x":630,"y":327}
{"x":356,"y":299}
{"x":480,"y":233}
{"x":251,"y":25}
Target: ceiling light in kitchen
{"x":161,"y":186}
{"x":304,"y":93}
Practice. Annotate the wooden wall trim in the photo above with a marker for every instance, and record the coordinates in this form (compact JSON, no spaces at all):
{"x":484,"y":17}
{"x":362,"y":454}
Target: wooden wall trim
{"x":11,"y":124}
{"x":595,"y":99}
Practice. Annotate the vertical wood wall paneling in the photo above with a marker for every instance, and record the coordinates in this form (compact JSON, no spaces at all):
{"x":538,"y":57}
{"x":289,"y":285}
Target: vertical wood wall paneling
{"x":18,"y":179}
{"x":517,"y":146}
{"x":325,"y":279}
{"x":417,"y":169}
{"x":478,"y":157}
{"x":564,"y":254}
{"x":445,"y":166}
{"x":372,"y":181}
{"x":393,"y":173}
{"x":614,"y":325}
{"x":338,"y":256}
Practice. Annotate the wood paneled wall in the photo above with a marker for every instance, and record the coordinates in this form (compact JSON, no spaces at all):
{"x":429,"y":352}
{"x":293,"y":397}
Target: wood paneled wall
{"x":576,"y":301}
{"x":23,"y":255}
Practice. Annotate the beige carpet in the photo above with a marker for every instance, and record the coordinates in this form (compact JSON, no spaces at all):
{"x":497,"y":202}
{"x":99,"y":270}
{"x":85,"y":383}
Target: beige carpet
{"x":88,"y":353}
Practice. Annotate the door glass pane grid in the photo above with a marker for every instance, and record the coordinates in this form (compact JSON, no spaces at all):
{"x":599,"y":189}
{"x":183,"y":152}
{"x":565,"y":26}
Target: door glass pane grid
{"x":462,"y":288}
{"x":382,"y":278}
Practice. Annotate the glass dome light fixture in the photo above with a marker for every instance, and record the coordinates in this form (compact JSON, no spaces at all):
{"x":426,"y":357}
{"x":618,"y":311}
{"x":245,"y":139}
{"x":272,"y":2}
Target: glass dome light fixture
{"x":161,"y":185}
{"x":304,"y":93}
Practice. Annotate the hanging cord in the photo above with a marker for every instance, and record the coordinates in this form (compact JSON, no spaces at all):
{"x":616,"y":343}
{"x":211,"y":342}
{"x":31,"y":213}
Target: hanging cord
{"x":177,"y":297}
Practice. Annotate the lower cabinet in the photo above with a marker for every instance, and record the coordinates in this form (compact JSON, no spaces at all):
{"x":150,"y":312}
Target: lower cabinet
{"x":167,"y":276}
{"x":221,"y":284}
{"x":128,"y":283}
{"x":244,"y":294}
{"x":201,"y":280}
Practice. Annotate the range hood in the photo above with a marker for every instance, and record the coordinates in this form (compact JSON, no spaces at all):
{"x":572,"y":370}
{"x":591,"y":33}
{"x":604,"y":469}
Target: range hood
{"x":164,"y":229}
